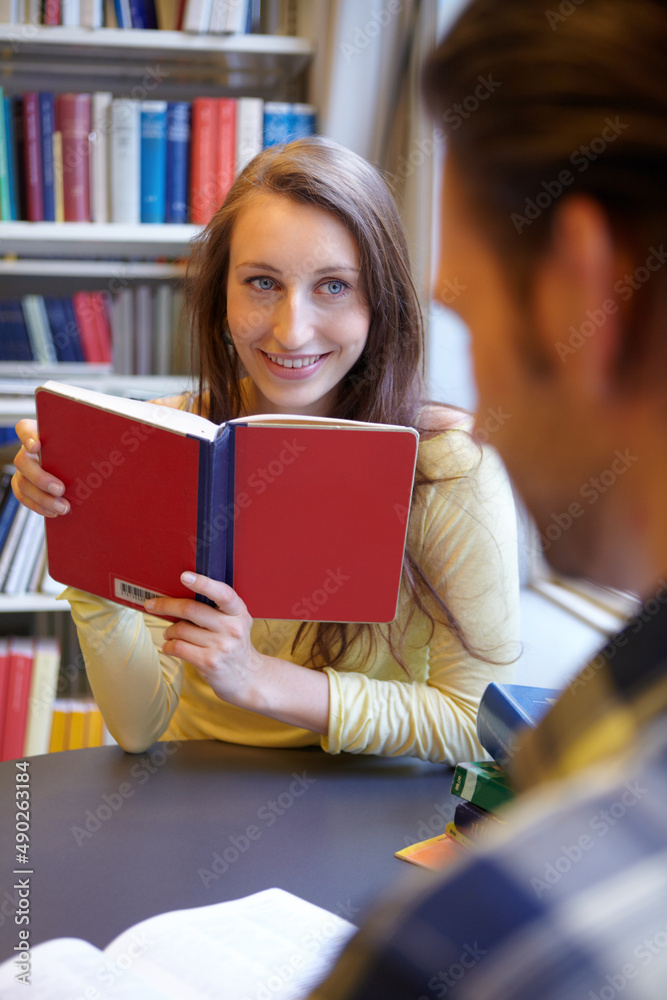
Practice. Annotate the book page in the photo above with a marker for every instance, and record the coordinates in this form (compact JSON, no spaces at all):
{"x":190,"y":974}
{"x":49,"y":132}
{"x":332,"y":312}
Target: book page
{"x":67,"y":968}
{"x":302,"y":420}
{"x":268,"y":945}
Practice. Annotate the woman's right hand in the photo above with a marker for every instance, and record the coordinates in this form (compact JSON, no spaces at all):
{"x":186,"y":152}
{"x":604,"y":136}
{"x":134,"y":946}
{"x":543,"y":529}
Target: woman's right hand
{"x":32,"y":485}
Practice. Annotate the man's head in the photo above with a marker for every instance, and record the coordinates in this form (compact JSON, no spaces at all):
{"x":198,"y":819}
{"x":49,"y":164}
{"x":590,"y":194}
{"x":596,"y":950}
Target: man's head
{"x":555,"y":224}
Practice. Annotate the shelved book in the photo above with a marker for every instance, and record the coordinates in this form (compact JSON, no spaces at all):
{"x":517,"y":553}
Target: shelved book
{"x":305,"y":517}
{"x":271,"y":943}
{"x":101,"y":157}
{"x":504,"y":710}
{"x":28,"y":678}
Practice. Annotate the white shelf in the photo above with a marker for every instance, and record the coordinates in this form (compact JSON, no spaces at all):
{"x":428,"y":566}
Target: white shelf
{"x":17,"y":399}
{"x":66,"y":268}
{"x":90,"y":239}
{"x":31,"y":602}
{"x":34,"y":37}
{"x":35,"y":57}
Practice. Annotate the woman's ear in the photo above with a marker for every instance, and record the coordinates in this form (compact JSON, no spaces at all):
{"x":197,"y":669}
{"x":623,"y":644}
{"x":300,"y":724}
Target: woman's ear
{"x":576,"y":313}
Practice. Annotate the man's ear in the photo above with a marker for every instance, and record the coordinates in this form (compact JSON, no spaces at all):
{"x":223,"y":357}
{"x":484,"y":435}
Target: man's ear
{"x":576,"y":314}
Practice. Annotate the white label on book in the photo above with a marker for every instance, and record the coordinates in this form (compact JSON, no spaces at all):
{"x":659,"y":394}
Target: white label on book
{"x":130,"y":592}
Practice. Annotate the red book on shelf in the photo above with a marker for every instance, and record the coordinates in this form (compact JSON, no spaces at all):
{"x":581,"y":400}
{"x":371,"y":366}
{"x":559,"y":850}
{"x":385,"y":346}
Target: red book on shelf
{"x":86,"y":319}
{"x":21,"y":652}
{"x":226,"y":148}
{"x":204,"y":187}
{"x":52,"y":12}
{"x":305,"y":517}
{"x":100,"y":316}
{"x":33,"y":157}
{"x":73,"y":121}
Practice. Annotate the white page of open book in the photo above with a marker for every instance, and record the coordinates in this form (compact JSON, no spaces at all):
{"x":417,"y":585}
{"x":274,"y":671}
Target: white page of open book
{"x":268,"y":945}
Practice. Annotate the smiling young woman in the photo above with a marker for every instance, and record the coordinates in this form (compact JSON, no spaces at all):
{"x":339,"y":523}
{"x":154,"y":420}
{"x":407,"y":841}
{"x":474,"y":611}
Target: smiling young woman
{"x":301,"y":299}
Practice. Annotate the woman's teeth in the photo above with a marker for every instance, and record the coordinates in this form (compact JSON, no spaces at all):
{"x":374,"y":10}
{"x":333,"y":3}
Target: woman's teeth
{"x":294,"y":362}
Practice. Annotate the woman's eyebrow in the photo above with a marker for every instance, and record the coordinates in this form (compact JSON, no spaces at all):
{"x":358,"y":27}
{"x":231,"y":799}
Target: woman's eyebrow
{"x":262,"y":265}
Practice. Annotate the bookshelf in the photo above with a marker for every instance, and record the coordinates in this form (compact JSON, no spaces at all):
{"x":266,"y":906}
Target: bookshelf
{"x":49,"y":258}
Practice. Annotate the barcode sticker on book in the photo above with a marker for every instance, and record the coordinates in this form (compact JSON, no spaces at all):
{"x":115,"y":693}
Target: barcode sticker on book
{"x":130,"y":592}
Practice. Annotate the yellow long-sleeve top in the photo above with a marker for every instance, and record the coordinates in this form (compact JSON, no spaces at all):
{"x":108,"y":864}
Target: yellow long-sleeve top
{"x":463,"y":534}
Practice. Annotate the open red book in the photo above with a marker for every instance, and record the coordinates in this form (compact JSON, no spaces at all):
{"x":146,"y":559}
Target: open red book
{"x":305,"y":517}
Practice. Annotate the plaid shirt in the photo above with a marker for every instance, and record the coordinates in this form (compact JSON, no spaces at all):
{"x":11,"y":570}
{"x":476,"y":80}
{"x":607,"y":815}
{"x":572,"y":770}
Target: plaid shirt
{"x":569,"y":902}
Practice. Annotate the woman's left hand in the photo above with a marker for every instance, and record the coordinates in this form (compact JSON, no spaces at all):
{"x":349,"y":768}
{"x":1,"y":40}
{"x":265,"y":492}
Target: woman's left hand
{"x":216,"y":641}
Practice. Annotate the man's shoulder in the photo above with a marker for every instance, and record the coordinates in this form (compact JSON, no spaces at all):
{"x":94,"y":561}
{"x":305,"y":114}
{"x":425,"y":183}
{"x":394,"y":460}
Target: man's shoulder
{"x":570,"y":898}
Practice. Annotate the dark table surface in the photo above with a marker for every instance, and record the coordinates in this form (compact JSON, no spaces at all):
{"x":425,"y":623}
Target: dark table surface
{"x":116,"y":838}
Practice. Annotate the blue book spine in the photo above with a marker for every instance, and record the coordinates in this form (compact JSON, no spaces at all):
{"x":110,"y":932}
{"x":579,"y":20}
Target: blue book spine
{"x":215,"y":509}
{"x":14,"y":339}
{"x":153,"y":160}
{"x":143,"y":14}
{"x":277,"y":123}
{"x":12,"y":158}
{"x":7,"y":515}
{"x":60,"y":334}
{"x":71,"y":331}
{"x":304,"y":120}
{"x":178,"y":161}
{"x":504,"y":710}
{"x":5,"y":199}
{"x":47,"y":124}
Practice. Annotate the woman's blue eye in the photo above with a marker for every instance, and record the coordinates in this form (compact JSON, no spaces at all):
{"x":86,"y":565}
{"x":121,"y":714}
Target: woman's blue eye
{"x":265,"y":284}
{"x":335,"y":287}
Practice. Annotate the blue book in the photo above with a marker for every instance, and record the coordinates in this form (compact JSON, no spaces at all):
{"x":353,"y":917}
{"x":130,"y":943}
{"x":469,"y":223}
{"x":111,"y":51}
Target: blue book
{"x":506,"y":709}
{"x":278,"y":121}
{"x":178,"y":161}
{"x":47,"y":126}
{"x":143,"y":14}
{"x":14,"y":340}
{"x":5,"y":200}
{"x":8,"y":511}
{"x":12,"y":157}
{"x":153,"y":160}
{"x":304,"y":120}
{"x":64,"y":334}
{"x":72,"y":332}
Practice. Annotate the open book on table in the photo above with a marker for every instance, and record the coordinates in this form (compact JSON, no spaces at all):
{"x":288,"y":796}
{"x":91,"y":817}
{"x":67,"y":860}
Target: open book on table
{"x":271,"y":944}
{"x":305,"y":517}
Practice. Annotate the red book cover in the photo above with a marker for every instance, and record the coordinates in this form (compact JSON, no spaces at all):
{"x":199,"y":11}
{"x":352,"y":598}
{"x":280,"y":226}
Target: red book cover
{"x":52,"y":12}
{"x":305,"y":518}
{"x":73,"y":121}
{"x":100,"y":317}
{"x":21,"y":654}
{"x":204,"y":190}
{"x":85,"y":313}
{"x":33,"y":157}
{"x":226,"y":147}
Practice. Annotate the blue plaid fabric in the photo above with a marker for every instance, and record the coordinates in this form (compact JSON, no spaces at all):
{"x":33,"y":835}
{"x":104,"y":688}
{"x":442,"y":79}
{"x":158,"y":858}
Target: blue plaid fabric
{"x":569,"y":902}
